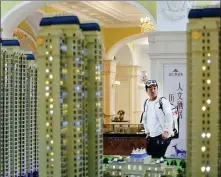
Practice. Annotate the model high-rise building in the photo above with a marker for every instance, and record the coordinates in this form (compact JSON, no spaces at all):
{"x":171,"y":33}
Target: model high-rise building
{"x":67,"y":97}
{"x":93,"y":50}
{"x":13,"y":109}
{"x":204,"y":135}
{"x":31,"y":121}
{"x":14,"y":112}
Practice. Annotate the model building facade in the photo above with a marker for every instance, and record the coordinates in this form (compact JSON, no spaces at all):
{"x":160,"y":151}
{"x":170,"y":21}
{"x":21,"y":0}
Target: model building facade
{"x":93,"y":69}
{"x":203,"y":52}
{"x":69,"y":92}
{"x":31,"y":121}
{"x":142,"y":165}
{"x":18,"y":148}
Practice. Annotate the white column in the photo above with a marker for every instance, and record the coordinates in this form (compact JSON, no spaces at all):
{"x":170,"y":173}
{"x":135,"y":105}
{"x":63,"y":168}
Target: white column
{"x":128,"y":93}
{"x":142,"y":56}
{"x":109,"y":73}
{"x":135,"y":95}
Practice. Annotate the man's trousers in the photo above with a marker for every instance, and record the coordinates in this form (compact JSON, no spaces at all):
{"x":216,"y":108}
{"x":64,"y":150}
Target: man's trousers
{"x":156,"y":146}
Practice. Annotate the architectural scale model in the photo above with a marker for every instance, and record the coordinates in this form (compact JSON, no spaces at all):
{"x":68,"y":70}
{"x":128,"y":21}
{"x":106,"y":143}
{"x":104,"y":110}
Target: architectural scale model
{"x":93,"y":90}
{"x":140,"y":164}
{"x":32,"y":128}
{"x":70,"y":97}
{"x":18,"y":129}
{"x":203,"y":54}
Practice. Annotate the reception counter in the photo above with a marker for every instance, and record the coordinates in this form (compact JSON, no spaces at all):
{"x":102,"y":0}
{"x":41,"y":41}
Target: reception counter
{"x":122,"y":144}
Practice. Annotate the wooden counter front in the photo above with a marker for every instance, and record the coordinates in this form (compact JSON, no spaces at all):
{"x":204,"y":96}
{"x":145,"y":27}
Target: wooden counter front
{"x":122,"y":144}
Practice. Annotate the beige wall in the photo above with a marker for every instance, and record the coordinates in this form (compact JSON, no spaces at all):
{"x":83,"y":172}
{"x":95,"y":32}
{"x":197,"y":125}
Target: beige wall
{"x":130,"y":94}
{"x":127,"y":93}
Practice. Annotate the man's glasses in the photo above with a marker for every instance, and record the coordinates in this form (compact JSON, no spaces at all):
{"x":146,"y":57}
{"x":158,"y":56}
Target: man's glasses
{"x":150,"y":82}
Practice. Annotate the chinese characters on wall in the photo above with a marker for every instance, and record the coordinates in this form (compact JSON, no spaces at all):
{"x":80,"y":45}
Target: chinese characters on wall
{"x":174,"y":89}
{"x":179,"y":94}
{"x":179,"y":101}
{"x":175,"y":73}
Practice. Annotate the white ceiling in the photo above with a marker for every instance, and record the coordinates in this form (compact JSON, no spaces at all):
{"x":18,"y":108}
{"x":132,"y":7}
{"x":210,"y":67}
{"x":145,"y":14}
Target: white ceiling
{"x":106,"y":13}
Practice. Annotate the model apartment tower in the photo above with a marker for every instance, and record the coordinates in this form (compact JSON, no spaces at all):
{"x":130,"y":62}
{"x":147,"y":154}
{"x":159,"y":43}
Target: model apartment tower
{"x":93,"y":44}
{"x":18,"y":134}
{"x":203,"y":54}
{"x":32,"y":137}
{"x":69,"y":92}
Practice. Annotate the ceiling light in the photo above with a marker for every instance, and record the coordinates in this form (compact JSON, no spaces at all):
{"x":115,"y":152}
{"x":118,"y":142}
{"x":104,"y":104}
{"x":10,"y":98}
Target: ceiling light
{"x":146,"y":24}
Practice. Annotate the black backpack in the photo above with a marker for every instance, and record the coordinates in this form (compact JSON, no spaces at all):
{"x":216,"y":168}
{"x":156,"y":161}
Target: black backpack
{"x":176,"y":117}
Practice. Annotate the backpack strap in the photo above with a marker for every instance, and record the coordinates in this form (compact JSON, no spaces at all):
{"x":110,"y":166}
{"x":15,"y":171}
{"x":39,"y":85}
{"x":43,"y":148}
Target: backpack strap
{"x":141,"y":118}
{"x":161,"y":104}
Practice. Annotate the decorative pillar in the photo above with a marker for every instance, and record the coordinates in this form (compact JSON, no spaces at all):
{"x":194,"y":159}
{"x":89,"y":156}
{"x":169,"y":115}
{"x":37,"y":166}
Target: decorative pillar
{"x":109,"y":73}
{"x":143,"y":60}
{"x":135,"y":95}
{"x":128,"y":92}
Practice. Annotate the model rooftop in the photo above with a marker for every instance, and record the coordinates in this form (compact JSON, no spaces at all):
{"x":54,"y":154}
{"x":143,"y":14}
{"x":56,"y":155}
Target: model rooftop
{"x":59,"y":20}
{"x":90,"y":27}
{"x":205,"y":13}
{"x":10,"y":42}
{"x":30,"y":56}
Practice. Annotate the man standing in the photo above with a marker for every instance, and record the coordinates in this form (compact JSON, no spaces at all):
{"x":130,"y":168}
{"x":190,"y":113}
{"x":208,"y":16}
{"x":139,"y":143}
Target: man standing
{"x":157,"y":121}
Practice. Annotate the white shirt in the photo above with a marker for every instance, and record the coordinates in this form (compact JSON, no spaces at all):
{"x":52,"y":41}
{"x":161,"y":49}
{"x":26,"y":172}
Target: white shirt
{"x":154,"y":120}
{"x":153,"y":124}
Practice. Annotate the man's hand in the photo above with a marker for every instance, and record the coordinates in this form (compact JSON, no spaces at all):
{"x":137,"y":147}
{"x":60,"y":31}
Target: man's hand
{"x":147,"y":135}
{"x":165,"y":135}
